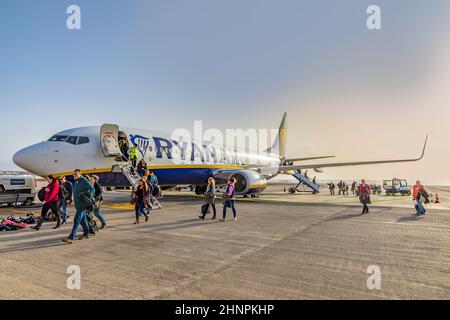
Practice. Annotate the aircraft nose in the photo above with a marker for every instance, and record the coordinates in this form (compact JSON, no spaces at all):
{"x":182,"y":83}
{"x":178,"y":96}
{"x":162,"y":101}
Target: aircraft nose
{"x":33,"y":159}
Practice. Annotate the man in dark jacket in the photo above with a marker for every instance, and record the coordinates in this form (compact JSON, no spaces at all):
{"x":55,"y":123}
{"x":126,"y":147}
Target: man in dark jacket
{"x":66,"y":191}
{"x":142,"y":167}
{"x":98,"y":199}
{"x":82,"y":188}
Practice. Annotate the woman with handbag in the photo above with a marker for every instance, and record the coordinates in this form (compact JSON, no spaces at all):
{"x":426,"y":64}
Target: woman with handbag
{"x":139,"y":198}
{"x":364,"y":195}
{"x":51,"y":201}
{"x":210,"y":199}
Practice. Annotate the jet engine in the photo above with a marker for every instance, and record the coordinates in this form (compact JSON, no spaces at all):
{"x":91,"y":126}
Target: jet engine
{"x":247,"y":181}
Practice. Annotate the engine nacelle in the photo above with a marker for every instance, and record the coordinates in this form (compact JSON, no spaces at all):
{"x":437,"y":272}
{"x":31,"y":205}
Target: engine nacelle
{"x":248,"y":182}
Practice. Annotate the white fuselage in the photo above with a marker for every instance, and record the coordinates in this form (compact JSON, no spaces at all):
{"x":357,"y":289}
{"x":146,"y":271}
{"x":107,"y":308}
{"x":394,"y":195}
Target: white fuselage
{"x":174,"y":163}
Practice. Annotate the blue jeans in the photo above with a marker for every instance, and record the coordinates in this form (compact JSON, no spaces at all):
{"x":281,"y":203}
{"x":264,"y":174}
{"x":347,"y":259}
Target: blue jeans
{"x":420,"y":208}
{"x":99,"y":215}
{"x":226,"y":204}
{"x":80,"y":218}
{"x":63,"y":209}
{"x":139,"y":208}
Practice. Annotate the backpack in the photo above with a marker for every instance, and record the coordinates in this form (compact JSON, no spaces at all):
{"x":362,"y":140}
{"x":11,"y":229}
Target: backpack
{"x":63,"y":192}
{"x":423,"y":194}
{"x":93,"y":227}
{"x":41,"y":194}
{"x":87,"y":202}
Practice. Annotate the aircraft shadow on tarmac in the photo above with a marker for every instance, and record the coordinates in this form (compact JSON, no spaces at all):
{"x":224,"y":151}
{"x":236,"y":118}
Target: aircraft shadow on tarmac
{"x":46,"y":243}
{"x":35,"y":243}
{"x":181,"y":224}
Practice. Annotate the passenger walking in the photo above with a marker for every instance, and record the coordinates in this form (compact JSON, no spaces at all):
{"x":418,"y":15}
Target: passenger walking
{"x":82,"y":192}
{"x":66,"y":191}
{"x":210,"y":198}
{"x":341,"y":187}
{"x":142,"y":167}
{"x":139,"y":197}
{"x":124,"y":148}
{"x":332,"y":186}
{"x":229,"y":199}
{"x":155,"y":189}
{"x":353,"y":187}
{"x":98,"y":200}
{"x":364,"y":195}
{"x":419,"y":196}
{"x":51,"y":201}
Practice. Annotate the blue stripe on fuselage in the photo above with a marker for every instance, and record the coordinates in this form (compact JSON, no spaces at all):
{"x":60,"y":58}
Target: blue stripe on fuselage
{"x":172,"y":176}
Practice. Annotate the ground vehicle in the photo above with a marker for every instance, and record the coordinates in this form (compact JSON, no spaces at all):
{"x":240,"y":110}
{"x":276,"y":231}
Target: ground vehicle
{"x":376,"y":189}
{"x":395,"y":186}
{"x":17,"y":187}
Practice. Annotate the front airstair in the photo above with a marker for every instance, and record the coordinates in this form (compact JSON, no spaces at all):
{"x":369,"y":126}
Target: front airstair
{"x":132,"y":175}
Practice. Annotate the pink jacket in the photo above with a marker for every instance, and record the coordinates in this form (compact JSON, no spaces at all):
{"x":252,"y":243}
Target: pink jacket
{"x":52,"y":192}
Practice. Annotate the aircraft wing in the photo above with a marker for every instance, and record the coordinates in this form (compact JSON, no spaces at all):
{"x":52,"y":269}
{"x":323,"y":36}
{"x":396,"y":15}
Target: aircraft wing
{"x":304,"y":159}
{"x":345,"y":164}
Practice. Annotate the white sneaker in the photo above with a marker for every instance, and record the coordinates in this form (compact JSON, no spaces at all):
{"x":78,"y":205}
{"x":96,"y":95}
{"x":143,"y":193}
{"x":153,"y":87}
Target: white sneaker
{"x":235,"y":219}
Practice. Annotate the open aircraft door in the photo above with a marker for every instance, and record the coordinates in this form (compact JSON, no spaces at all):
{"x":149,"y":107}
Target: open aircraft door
{"x":109,"y":137}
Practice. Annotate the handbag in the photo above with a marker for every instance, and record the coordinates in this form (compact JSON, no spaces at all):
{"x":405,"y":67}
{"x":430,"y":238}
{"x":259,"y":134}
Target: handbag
{"x":205,"y":208}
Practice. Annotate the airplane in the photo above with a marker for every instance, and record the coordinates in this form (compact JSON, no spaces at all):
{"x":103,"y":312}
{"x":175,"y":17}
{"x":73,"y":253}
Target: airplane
{"x":96,"y":150}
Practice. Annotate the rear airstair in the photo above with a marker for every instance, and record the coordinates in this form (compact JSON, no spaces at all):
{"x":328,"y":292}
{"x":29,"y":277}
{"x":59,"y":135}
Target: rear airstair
{"x":302,"y":179}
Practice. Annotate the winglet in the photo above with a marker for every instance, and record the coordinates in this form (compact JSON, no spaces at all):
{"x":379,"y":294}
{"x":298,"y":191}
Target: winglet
{"x":279,"y":146}
{"x":424,"y":147}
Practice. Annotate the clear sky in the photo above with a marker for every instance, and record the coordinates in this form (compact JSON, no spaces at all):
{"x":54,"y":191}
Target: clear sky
{"x":349,"y":91}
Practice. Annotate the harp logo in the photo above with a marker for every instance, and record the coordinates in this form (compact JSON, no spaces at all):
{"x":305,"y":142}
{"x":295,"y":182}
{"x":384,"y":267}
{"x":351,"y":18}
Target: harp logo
{"x":142,"y":143}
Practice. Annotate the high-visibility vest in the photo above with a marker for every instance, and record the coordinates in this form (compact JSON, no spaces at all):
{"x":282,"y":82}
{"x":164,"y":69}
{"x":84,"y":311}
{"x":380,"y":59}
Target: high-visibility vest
{"x":133,"y":152}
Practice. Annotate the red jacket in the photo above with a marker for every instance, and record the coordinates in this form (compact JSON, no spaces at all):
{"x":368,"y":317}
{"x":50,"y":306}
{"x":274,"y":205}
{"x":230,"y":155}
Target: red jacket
{"x":364,"y":188}
{"x":416,"y":190}
{"x":52,"y":192}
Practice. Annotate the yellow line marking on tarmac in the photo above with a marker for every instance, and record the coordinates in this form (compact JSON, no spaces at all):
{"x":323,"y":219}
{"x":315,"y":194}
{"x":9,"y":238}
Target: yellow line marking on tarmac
{"x":124,"y":206}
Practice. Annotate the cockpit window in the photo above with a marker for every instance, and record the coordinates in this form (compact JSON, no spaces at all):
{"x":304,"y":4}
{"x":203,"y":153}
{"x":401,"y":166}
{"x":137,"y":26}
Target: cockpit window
{"x":69,"y":139}
{"x":58,"y":138}
{"x":83,"y":140}
{"x":72,"y":140}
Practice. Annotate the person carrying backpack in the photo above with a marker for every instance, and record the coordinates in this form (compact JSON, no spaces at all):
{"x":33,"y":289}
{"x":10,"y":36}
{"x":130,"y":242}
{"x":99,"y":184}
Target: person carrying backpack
{"x":152,"y":181}
{"x":229,"y":199}
{"x":364,"y":195}
{"x":419,"y":196}
{"x":51,"y":200}
{"x":65,"y":198}
{"x":98,"y":200}
{"x":82,"y":193}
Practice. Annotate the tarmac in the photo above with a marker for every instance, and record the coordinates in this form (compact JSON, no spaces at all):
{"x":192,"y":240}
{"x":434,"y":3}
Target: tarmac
{"x":282,"y":247}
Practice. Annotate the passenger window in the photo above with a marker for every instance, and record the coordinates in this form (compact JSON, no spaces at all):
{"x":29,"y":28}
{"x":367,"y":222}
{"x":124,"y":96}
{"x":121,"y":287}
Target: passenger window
{"x":83,"y":140}
{"x":72,"y":140}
